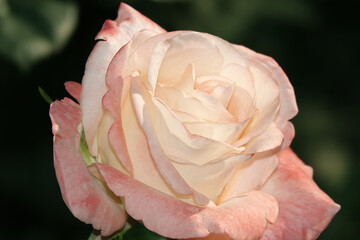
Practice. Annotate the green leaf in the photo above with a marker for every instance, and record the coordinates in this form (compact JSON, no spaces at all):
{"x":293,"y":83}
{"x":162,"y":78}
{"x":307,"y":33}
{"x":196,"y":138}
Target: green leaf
{"x":32,"y":30}
{"x":45,"y":95}
{"x":85,"y":150}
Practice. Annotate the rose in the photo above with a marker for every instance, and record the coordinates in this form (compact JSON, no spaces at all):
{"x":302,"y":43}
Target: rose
{"x":188,"y":134}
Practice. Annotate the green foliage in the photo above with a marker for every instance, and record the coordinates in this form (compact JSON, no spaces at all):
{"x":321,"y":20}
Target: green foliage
{"x":32,"y":30}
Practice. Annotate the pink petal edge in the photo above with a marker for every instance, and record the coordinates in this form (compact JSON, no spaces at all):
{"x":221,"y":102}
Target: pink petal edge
{"x":304,"y":209}
{"x":244,"y":217}
{"x":116,"y":34}
{"x":83,"y":195}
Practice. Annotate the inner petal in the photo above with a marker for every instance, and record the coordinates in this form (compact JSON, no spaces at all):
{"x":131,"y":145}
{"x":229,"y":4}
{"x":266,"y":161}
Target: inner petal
{"x":189,"y":48}
{"x":201,"y":106}
{"x":220,"y":90}
{"x":227,"y":132}
{"x":177,"y":142}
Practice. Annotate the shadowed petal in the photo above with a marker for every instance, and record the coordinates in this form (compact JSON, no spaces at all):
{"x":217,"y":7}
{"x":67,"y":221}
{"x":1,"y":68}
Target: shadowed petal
{"x":83,"y":195}
{"x":304,"y":210}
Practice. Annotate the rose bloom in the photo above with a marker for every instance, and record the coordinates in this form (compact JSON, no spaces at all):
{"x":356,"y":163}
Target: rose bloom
{"x":188,"y":134}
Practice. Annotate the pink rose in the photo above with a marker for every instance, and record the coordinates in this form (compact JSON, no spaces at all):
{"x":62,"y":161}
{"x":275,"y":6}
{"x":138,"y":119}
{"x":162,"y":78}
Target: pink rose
{"x":187,"y":133}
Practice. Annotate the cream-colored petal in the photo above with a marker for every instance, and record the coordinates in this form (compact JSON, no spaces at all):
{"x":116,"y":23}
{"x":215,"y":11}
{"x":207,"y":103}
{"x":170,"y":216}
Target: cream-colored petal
{"x":288,"y":102}
{"x":146,"y":169}
{"x":210,"y":178}
{"x":118,"y":83}
{"x":250,"y":175}
{"x":241,"y":105}
{"x":105,"y":151}
{"x":187,"y":81}
{"x":260,"y":121}
{"x":201,"y":105}
{"x":241,"y":76}
{"x":155,"y":62}
{"x":227,"y":132}
{"x":220,"y":90}
{"x":189,"y":48}
{"x":270,"y":139}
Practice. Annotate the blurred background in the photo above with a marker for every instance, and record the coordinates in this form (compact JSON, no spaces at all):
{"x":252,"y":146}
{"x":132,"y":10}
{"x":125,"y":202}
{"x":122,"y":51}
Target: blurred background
{"x":46,"y":42}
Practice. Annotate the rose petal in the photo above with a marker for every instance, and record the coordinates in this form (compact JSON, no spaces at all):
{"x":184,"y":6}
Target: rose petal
{"x":74,"y":89}
{"x":83,"y":195}
{"x":287,"y":128}
{"x":116,"y":34}
{"x":201,"y":106}
{"x":209,"y":179}
{"x":157,"y":171}
{"x":119,"y":84}
{"x":187,"y":81}
{"x":270,"y":139}
{"x":161,"y":159}
{"x":174,"y":138}
{"x":244,"y":217}
{"x":189,"y":48}
{"x":243,"y":79}
{"x":288,"y":107}
{"x":304,"y":210}
{"x":261,"y":120}
{"x":227,"y":132}
{"x":288,"y":103}
{"x":250,"y":175}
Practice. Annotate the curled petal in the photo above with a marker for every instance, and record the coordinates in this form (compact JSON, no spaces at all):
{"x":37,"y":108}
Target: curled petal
{"x":304,"y":210}
{"x":244,"y":217}
{"x":84,"y":196}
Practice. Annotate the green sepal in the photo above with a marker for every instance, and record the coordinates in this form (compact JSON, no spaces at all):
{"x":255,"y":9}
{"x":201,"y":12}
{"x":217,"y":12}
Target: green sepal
{"x":45,"y":95}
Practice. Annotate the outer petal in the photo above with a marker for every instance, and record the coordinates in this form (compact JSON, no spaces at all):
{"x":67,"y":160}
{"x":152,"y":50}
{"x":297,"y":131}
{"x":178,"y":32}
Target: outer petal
{"x":244,"y":217}
{"x":83,"y":195}
{"x":116,"y":34}
{"x":74,"y":89}
{"x":304,"y":210}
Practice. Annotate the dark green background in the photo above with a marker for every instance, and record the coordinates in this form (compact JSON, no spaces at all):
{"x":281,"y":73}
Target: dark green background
{"x":315,"y":41}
